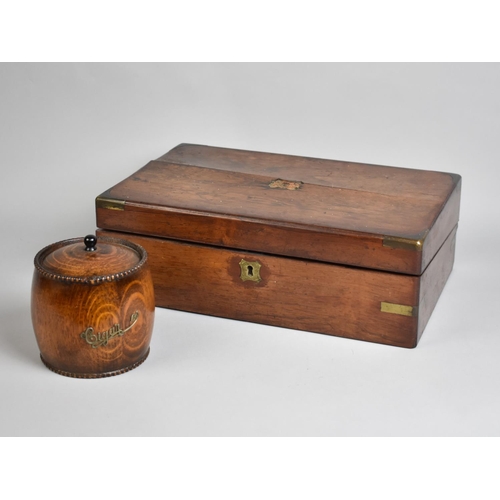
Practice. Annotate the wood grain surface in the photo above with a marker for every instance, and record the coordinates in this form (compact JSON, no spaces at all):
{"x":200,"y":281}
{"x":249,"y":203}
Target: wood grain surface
{"x":91,"y":325}
{"x":304,"y":295}
{"x":434,"y":279}
{"x":338,"y":212}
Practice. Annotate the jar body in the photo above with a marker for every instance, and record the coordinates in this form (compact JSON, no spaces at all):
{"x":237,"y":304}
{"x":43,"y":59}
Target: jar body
{"x":89,"y":330}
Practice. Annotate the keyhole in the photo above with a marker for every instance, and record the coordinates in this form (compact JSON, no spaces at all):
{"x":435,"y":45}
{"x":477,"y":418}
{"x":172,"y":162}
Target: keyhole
{"x":250,"y":271}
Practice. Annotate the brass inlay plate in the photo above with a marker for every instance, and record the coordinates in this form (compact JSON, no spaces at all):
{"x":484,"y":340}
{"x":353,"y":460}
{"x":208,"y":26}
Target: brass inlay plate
{"x":109,"y":203}
{"x":102,"y":338}
{"x":282,"y":184}
{"x":250,"y":271}
{"x":400,"y":309}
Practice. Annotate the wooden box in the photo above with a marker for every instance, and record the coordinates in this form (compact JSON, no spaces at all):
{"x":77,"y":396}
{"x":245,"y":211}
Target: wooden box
{"x":347,"y":249}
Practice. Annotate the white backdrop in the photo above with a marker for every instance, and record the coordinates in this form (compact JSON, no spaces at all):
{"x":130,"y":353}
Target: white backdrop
{"x":70,"y":131}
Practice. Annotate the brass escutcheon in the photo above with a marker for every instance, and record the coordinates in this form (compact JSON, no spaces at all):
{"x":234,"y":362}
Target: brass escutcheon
{"x":250,"y":271}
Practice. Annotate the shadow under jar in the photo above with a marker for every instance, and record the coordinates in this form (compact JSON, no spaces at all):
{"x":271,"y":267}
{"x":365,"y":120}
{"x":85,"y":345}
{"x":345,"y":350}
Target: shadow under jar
{"x":92,"y":306}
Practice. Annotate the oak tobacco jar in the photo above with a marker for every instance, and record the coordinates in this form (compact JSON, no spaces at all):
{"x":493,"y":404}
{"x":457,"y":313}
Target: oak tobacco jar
{"x":92,"y":306}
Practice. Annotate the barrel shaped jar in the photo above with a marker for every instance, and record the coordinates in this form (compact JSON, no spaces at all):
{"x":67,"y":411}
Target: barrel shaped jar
{"x":92,"y":306}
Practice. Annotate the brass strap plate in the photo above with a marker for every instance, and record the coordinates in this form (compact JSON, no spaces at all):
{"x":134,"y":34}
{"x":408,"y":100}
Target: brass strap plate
{"x":109,"y":203}
{"x":415,"y":244}
{"x":400,"y":309}
{"x":403,"y":243}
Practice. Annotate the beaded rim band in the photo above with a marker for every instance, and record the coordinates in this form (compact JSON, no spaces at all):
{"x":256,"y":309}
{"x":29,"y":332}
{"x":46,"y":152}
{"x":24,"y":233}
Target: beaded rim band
{"x":89,"y":280}
{"x":95,"y":375}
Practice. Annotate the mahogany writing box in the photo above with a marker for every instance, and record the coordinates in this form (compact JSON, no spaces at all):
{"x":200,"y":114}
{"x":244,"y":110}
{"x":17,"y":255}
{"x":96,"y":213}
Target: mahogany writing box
{"x":347,"y":249}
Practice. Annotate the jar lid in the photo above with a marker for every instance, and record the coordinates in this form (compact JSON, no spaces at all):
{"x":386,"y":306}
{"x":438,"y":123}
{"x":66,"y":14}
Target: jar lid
{"x":90,"y":260}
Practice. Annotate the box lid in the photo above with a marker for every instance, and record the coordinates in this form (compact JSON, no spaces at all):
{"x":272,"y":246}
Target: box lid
{"x":90,"y":260}
{"x":371,"y":216}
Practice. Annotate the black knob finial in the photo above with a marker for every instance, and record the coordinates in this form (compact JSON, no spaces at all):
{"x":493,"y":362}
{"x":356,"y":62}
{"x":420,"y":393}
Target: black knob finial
{"x":90,"y":242}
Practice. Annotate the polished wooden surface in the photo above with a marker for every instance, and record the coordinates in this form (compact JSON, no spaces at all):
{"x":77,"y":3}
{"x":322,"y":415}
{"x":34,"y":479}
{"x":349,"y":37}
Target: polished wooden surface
{"x":336,"y":240}
{"x":303,"y":295}
{"x":434,"y":279}
{"x":73,"y":260}
{"x":109,"y":291}
{"x":340,"y":212}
